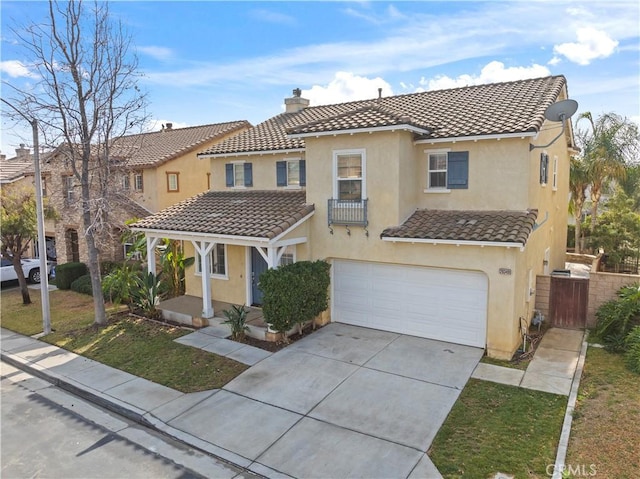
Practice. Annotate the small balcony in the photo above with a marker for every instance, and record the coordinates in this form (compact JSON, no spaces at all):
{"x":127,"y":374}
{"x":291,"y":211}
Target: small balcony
{"x":347,"y":212}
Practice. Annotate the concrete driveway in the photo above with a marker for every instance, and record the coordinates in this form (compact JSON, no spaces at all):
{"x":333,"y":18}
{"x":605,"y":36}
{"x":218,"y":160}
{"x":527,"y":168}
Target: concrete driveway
{"x":344,"y":402}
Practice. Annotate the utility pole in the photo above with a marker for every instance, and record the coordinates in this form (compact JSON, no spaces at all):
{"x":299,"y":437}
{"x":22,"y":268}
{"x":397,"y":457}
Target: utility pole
{"x":42,"y":243}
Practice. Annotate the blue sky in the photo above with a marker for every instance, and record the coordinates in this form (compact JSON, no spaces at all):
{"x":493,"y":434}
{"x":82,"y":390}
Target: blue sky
{"x":207,"y":62}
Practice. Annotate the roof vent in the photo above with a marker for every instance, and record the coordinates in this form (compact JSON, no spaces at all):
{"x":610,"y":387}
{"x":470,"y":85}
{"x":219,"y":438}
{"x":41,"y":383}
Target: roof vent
{"x":169,"y":126}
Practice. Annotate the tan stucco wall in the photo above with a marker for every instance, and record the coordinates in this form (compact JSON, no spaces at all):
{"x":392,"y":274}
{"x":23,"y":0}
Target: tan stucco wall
{"x":503,"y":175}
{"x":603,"y":287}
{"x":263,"y":170}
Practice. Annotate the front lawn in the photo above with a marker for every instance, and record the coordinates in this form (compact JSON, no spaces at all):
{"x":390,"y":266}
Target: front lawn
{"x":137,"y":346}
{"x":497,"y":428}
{"x":605,"y":431}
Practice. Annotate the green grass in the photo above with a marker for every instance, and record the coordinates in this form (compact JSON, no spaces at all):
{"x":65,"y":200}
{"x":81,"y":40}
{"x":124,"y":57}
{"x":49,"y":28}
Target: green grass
{"x":137,"y":346}
{"x":497,"y":428}
{"x":605,"y":430}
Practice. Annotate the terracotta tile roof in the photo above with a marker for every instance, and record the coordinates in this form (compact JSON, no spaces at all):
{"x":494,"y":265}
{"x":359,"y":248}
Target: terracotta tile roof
{"x":491,"y":226}
{"x":497,"y":108}
{"x":258,"y":214}
{"x":155,"y":148}
{"x":13,"y":169}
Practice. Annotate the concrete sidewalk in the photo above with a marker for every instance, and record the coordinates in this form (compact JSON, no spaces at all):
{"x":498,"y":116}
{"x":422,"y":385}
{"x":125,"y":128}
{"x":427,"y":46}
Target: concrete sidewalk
{"x":552,"y":368}
{"x":340,"y":403}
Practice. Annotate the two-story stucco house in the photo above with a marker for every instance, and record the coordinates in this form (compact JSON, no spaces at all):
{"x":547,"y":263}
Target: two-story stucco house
{"x":436,"y":210}
{"x":151,"y":171}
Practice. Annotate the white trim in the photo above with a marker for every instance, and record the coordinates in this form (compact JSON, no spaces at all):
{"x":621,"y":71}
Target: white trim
{"x":437,"y":190}
{"x":213,"y":275}
{"x":291,"y":228}
{"x":249,"y":153}
{"x":505,"y":244}
{"x":402,"y":127}
{"x":455,"y":139}
{"x":554,"y":174}
{"x":428,"y":151}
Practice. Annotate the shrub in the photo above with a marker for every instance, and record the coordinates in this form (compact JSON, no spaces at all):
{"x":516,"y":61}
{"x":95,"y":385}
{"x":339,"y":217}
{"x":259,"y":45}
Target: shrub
{"x":67,"y":273}
{"x":118,"y":285}
{"x":295,"y":293}
{"x":632,"y":356}
{"x":237,"y":321}
{"x":146,"y":294}
{"x":618,"y":316}
{"x":82,"y":285}
{"x":107,"y":267}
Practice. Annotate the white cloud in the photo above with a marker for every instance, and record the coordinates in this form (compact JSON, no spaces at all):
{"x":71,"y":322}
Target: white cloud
{"x":16,"y":69}
{"x":491,"y":73}
{"x":159,"y":53}
{"x":346,"y":86}
{"x":591,"y":44}
{"x":272,"y":17}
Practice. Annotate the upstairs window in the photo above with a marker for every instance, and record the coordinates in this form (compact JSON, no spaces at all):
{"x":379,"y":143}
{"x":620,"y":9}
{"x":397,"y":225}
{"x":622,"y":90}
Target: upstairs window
{"x":172,"y":182}
{"x":217,"y":261}
{"x":67,"y":183}
{"x":125,"y":182}
{"x":349,"y":172}
{"x":291,"y":173}
{"x":239,"y":175}
{"x":138,"y":183}
{"x":447,"y":170}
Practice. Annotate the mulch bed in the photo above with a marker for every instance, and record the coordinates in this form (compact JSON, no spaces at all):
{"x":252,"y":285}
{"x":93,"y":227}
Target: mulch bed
{"x":275,"y":346}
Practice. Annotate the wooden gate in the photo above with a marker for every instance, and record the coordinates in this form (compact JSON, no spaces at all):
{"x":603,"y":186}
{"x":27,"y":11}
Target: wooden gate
{"x":568,"y":302}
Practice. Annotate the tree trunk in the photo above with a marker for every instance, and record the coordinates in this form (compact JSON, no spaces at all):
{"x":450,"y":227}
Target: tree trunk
{"x":576,"y":234}
{"x":22,"y":281}
{"x":596,"y":194}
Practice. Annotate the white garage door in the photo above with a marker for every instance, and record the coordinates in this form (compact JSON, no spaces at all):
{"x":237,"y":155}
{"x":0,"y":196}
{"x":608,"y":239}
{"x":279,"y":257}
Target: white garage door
{"x":428,"y":302}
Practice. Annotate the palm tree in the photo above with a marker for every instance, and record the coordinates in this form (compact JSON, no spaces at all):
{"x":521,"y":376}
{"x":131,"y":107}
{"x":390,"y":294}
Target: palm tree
{"x":607,"y":148}
{"x":578,"y":183}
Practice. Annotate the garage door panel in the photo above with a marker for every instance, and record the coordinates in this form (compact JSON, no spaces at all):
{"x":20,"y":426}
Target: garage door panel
{"x":428,"y":302}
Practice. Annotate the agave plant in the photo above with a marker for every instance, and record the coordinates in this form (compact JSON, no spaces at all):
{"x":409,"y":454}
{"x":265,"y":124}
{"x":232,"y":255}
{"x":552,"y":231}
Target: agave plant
{"x":237,"y":321}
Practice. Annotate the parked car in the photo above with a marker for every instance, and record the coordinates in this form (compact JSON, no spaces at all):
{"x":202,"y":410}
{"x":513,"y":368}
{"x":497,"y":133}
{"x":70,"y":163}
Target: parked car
{"x":30,"y":267}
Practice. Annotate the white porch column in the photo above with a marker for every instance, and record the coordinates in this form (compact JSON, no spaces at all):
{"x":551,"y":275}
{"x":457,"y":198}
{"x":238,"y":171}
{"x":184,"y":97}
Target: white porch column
{"x":204,"y":248}
{"x":152,"y":242}
{"x":270,"y":256}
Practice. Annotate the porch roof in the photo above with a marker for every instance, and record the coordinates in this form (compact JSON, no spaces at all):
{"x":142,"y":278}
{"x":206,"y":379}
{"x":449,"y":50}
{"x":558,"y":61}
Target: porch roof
{"x":508,"y":227}
{"x":259,"y":215}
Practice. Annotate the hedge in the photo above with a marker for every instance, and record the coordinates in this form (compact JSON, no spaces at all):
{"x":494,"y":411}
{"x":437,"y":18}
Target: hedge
{"x":295,"y":293}
{"x":67,"y":273}
{"x":82,"y":285}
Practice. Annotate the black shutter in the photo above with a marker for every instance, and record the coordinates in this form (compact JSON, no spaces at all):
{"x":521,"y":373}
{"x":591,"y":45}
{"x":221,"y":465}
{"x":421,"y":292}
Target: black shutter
{"x":248,"y":174}
{"x":303,"y":173}
{"x":281,"y":173}
{"x":229,"y":174}
{"x":458,"y":170}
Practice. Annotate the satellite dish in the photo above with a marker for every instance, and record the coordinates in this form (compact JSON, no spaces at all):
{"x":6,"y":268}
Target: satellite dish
{"x":558,"y":111}
{"x":561,"y":110}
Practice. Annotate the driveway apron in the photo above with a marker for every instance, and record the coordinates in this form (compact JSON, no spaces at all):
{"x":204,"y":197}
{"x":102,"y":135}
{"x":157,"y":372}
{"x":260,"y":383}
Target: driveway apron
{"x":344,"y":402}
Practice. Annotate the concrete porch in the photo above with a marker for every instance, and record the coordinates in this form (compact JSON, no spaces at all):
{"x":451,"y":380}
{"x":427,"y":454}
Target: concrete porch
{"x":187,"y":310}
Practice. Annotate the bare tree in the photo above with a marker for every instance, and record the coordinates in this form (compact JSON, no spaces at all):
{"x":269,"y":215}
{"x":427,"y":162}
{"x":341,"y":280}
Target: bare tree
{"x":86,"y":96}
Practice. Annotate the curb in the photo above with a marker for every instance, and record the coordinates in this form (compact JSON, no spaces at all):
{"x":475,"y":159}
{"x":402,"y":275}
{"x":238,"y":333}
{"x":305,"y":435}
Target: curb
{"x":563,"y":444}
{"x":134,"y":414}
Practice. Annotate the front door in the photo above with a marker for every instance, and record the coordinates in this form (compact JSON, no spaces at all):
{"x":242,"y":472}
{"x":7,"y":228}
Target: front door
{"x":258,"y":266}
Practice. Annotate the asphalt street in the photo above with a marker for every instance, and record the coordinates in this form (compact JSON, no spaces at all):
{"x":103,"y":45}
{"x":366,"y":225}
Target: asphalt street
{"x":48,"y":433}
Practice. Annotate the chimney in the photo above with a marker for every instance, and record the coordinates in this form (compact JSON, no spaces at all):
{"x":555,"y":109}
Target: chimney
{"x":3,"y":157}
{"x":296,"y":103}
{"x":22,"y":153}
{"x":169,"y":126}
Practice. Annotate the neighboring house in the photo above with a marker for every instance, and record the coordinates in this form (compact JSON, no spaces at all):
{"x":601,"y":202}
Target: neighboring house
{"x":150,"y":171}
{"x":18,"y":171}
{"x":432,"y":209}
